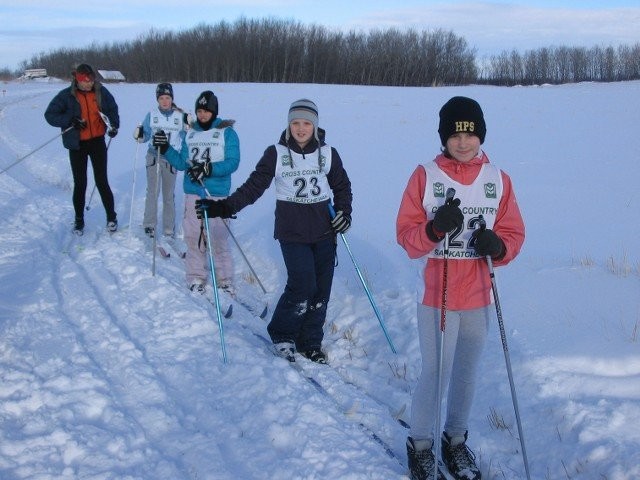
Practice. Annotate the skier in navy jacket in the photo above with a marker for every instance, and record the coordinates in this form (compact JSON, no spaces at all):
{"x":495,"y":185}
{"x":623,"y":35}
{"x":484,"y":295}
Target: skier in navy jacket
{"x":82,"y":106}
{"x":307,"y":173}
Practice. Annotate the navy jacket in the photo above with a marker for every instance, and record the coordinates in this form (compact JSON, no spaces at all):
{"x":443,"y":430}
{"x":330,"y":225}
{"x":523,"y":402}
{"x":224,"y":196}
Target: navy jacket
{"x":295,"y":222}
{"x":65,"y":106}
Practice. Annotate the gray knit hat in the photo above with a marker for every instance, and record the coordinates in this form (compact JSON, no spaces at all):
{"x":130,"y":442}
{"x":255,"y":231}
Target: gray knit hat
{"x":306,"y":110}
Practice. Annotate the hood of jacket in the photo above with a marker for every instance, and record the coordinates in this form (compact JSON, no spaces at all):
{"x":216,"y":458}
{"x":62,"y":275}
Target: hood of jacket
{"x":217,"y":123}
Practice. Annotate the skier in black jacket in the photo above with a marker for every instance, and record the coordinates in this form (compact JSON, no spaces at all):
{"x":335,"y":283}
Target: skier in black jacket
{"x":307,"y":173}
{"x":84,"y":105}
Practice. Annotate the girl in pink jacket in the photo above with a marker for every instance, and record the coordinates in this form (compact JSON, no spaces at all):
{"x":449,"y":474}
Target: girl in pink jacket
{"x":482,"y":191}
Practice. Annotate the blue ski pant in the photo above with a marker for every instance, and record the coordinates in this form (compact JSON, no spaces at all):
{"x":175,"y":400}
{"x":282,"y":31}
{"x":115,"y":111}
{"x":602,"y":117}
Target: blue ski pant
{"x":301,"y":310}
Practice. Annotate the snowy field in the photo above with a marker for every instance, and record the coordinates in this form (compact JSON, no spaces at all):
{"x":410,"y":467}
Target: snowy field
{"x":108,"y":372}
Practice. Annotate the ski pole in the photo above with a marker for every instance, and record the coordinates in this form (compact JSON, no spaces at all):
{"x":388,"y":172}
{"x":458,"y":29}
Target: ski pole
{"x":212,"y":268}
{"x":264,"y":290}
{"x":133,"y":188}
{"x":233,"y":237}
{"x":106,"y":121}
{"x":155,"y":228}
{"x":451,"y":192}
{"x":88,"y":207}
{"x":507,"y":358}
{"x":36,"y":149}
{"x":364,"y":285}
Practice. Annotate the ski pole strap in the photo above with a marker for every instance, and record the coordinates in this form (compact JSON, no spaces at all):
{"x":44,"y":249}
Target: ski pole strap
{"x":202,"y":239}
{"x":445,"y":273}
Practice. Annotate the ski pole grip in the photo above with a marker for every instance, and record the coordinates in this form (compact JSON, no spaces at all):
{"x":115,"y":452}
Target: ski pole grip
{"x":482,"y":223}
{"x":332,"y":211}
{"x":451,"y":192}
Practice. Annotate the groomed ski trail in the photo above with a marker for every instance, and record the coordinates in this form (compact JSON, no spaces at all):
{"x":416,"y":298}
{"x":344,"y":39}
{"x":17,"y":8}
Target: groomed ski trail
{"x":142,"y":359}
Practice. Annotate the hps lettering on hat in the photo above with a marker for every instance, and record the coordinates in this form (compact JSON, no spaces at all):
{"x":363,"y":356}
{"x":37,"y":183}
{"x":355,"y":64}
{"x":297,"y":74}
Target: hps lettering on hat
{"x":465,"y":127}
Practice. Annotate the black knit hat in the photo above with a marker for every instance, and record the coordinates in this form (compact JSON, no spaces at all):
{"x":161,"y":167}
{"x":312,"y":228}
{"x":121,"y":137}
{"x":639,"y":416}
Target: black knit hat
{"x":164,"y":89}
{"x":207,"y":101}
{"x":461,"y":114}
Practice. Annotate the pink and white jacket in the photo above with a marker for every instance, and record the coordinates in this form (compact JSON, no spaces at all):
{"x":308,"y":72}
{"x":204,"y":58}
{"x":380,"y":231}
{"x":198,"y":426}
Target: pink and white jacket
{"x":468,"y":282}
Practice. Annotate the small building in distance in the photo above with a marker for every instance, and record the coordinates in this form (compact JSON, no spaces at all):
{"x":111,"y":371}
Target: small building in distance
{"x":30,"y":73}
{"x":112,"y":76}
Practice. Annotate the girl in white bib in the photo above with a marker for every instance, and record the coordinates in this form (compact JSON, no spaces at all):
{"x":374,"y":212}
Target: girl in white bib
{"x":426,"y":215}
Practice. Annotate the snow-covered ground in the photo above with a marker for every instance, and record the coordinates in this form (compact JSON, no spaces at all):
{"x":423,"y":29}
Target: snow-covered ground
{"x":108,"y":372}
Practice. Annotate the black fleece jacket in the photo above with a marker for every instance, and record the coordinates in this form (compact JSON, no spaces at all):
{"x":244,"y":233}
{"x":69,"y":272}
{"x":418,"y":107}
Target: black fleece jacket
{"x":296,"y":222}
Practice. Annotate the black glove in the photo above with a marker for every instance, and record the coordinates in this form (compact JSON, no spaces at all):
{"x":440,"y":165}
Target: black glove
{"x":112,"y":132}
{"x":214,"y":208}
{"x":486,"y":242}
{"x":341,"y":222}
{"x":138,"y":133}
{"x":199,"y":171}
{"x":78,"y":123}
{"x":161,"y":141}
{"x":448,"y":217}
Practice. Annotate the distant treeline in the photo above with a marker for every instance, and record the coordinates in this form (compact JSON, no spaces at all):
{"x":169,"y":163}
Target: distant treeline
{"x":285,"y":51}
{"x":563,"y":65}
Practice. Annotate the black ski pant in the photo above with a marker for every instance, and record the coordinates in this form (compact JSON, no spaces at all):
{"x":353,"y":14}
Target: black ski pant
{"x":96,"y":149}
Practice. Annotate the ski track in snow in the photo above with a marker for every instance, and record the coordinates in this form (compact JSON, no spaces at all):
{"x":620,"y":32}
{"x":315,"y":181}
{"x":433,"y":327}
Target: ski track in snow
{"x":110,"y":350}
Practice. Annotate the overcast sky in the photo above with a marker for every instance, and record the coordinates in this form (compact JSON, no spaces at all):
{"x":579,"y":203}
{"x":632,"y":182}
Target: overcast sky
{"x":29,"y":27}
